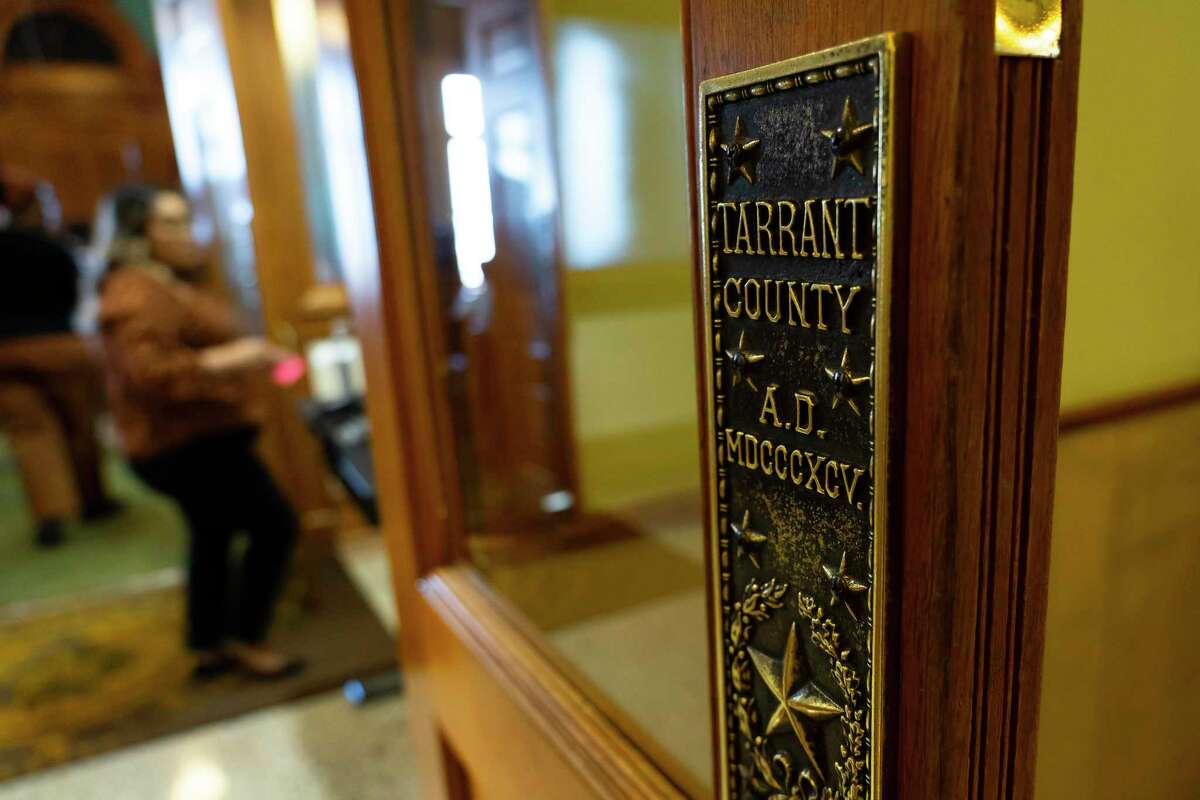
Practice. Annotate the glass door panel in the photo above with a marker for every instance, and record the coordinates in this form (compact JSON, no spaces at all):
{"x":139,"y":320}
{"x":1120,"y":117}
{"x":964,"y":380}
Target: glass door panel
{"x":556,"y":175}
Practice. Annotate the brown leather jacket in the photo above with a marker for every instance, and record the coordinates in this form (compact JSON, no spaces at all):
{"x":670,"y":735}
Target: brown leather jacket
{"x":46,"y":355}
{"x":153,"y":328}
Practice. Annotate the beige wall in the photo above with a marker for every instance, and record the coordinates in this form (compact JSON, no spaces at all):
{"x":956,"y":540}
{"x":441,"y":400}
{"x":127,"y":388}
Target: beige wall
{"x":1121,"y":685}
{"x":1133,"y":322}
{"x":618,"y":103}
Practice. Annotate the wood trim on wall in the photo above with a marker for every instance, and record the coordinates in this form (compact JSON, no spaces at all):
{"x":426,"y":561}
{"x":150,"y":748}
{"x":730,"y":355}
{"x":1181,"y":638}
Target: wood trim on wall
{"x":1121,"y":409}
{"x":45,"y":104}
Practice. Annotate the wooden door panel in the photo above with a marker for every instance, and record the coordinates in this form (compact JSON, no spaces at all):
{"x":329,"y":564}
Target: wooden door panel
{"x":980,"y":246}
{"x":981,"y":261}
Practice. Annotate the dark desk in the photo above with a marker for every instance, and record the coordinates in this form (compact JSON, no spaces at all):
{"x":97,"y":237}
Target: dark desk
{"x":345,"y":435}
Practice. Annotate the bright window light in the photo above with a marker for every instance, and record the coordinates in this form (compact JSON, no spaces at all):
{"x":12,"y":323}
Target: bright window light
{"x":470,"y":184}
{"x":595,"y":138}
{"x":462,"y":105}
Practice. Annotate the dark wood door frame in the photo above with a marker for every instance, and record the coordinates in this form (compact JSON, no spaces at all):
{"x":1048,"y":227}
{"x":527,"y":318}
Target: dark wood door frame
{"x":984,"y":255}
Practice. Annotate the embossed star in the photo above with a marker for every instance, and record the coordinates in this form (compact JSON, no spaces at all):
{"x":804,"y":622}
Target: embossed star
{"x":844,"y":382}
{"x":747,"y":539}
{"x":841,"y":585}
{"x":809,"y":701}
{"x":849,"y":140}
{"x":740,"y":154}
{"x":740,"y":361}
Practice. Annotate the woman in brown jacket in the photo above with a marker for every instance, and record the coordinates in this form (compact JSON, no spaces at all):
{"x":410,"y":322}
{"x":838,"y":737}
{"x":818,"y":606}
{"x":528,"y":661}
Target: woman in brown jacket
{"x":181,"y":380}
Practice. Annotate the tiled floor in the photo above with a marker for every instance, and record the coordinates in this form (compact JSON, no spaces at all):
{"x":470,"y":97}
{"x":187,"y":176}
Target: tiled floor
{"x":321,"y":748}
{"x":311,"y":750}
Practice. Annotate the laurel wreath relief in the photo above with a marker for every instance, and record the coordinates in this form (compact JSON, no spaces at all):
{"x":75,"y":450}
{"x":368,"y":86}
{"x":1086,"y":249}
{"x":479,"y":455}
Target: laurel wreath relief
{"x":772,"y":774}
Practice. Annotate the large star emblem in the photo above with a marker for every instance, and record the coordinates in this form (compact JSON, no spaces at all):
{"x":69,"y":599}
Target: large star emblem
{"x":740,"y":154}
{"x":808,"y":701}
{"x":848,"y":140}
{"x":844,"y":382}
{"x":740,"y":361}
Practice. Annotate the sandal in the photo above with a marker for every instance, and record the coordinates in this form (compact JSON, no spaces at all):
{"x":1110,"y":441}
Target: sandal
{"x":211,"y":668}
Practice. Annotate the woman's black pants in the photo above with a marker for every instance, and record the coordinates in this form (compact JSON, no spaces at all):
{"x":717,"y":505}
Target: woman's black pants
{"x":222,"y":487}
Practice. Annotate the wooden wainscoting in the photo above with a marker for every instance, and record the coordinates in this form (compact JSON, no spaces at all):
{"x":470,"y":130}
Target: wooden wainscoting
{"x":1126,"y":408}
{"x":1121,"y":678}
{"x":85,"y":126}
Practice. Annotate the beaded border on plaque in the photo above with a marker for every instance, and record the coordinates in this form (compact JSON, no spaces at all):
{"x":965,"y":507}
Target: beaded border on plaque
{"x":734,"y":617}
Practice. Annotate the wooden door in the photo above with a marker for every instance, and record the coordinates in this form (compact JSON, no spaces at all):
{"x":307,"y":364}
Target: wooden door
{"x":978,"y":199}
{"x":96,"y":75}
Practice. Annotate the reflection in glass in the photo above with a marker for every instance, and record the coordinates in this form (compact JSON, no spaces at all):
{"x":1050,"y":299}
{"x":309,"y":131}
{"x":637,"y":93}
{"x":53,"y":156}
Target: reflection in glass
{"x":208,"y":141}
{"x":556,"y":180}
{"x":596,"y":180}
{"x":470,"y":191}
{"x":314,"y":46}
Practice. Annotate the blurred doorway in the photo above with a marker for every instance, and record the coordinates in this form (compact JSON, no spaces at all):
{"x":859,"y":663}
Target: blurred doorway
{"x":212,"y":103}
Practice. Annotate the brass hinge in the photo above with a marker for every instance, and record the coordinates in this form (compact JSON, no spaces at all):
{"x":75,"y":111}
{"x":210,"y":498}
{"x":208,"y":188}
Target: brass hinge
{"x":1028,"y":27}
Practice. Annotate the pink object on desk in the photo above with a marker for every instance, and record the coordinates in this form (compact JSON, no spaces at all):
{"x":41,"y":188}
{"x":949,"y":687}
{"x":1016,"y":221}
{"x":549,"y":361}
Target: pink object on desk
{"x":288,"y":371}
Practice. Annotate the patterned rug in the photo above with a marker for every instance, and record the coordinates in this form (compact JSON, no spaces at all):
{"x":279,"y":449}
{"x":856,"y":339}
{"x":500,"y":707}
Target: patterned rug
{"x":93,"y":678}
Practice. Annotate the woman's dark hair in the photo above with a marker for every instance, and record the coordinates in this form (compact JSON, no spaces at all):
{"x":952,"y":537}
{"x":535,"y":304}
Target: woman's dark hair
{"x":131,"y":205}
{"x":120,"y":229}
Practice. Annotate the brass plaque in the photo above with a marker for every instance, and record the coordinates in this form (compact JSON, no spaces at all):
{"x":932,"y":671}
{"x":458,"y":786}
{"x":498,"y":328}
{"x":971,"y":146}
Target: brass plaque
{"x":796,"y":185}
